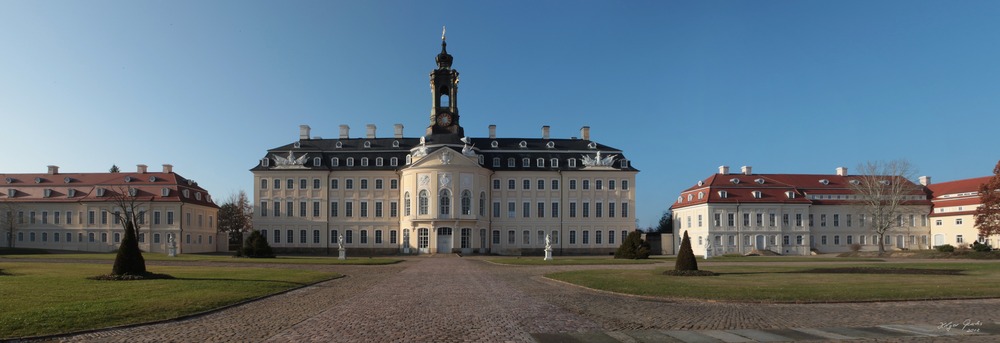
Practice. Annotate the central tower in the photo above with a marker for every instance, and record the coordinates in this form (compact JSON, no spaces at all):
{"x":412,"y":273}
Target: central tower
{"x":444,"y":92}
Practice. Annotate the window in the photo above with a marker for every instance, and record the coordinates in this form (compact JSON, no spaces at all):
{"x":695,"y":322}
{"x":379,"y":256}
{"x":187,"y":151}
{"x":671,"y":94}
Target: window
{"x":263,"y":183}
{"x":378,"y":183}
{"x":496,"y":236}
{"x":541,"y":184}
{"x":315,"y":183}
{"x":597,"y":237}
{"x":611,"y":186}
{"x":378,"y":161}
{"x":422,"y":202}
{"x":482,"y":204}
{"x":277,"y":236}
{"x":302,"y":236}
{"x":496,"y":184}
{"x":466,"y":202}
{"x":378,"y":209}
{"x":716,"y":219}
{"x":302,"y":209}
{"x":572,"y":236}
{"x":290,"y":184}
{"x":364,"y":209}
{"x":554,"y":163}
{"x":526,"y":209}
{"x":599,"y":209}
{"x":315,"y":208}
{"x":393,"y":239}
{"x":406,"y":204}
{"x":393,"y":184}
{"x":315,"y":236}
{"x":746,"y":219}
{"x":364,"y":236}
{"x":526,"y":162}
{"x":496,"y":162}
{"x":378,"y":236}
{"x":445,"y":202}
{"x":334,"y":183}
{"x":555,"y":210}
{"x":586,"y":237}
{"x":541,"y":210}
{"x":334,"y":238}
{"x":598,"y":184}
{"x":393,"y":209}
{"x":302,"y":184}
{"x":526,"y":237}
{"x":334,"y":209}
{"x":496,"y":209}
{"x":611,"y":237}
{"x":348,"y":236}
{"x":555,"y":185}
{"x":624,"y":210}
{"x":511,"y":163}
{"x":572,"y":184}
{"x":571,"y":162}
{"x":823,"y":240}
{"x":848,"y":220}
{"x":511,"y":209}
{"x":959,"y":239}
{"x":958,"y":221}
{"x":586,"y":186}
{"x":772,"y":220}
{"x":277,"y":183}
{"x":349,"y":208}
{"x":170,"y":217}
{"x":348,"y":183}
{"x":572,"y":209}
{"x":836,"y":220}
{"x":526,"y":184}
{"x":625,"y":185}
{"x":510,"y":237}
{"x":394,"y":161}
{"x":759,"y":219}
{"x":364,"y":183}
{"x":350,"y":161}
{"x":822,"y":220}
{"x":335,"y":162}
{"x":586,"y":209}
{"x":511,"y":184}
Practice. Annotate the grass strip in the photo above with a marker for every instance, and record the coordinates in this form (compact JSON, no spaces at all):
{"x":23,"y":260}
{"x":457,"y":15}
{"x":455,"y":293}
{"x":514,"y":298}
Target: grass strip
{"x":52,"y":298}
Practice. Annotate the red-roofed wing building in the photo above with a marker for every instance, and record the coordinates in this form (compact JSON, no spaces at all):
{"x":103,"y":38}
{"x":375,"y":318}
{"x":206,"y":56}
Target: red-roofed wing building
{"x":74,"y":211}
{"x":953,"y":219}
{"x":789,"y":214}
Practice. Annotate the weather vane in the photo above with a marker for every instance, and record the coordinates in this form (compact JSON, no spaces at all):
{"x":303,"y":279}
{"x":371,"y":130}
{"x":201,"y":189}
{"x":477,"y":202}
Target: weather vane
{"x":442,"y":32}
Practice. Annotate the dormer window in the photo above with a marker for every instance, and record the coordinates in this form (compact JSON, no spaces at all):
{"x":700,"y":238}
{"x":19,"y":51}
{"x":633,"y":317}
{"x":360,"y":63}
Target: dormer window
{"x":690,"y":197}
{"x":824,"y":181}
{"x":885,"y":182}
{"x":855,"y":182}
{"x":368,"y":144}
{"x":152,"y":179}
{"x":571,"y":162}
{"x":522,"y":144}
{"x":790,"y":194}
{"x":128,"y":179}
{"x":554,"y":163}
{"x":339,"y":144}
{"x":334,"y":162}
{"x":9,"y":180}
{"x":317,"y":161}
{"x":395,"y":161}
{"x":197,"y":195}
{"x":165,"y":192}
{"x":723,"y":194}
{"x":378,"y":161}
{"x":264,"y":162}
{"x":186,"y":193}
{"x":757,"y":194}
{"x":11,"y":193}
{"x":482,"y":159}
{"x":364,"y":161}
{"x":409,"y":159}
{"x":132,"y":191}
{"x":71,"y":193}
{"x":624,"y":164}
{"x":494,"y":144}
{"x":395,"y":144}
{"x":735,"y":181}
{"x":680,"y":198}
{"x":701,"y":183}
{"x":47,"y":192}
{"x":67,"y":179}
{"x":526,"y":162}
{"x":38,"y":180}
{"x":540,"y":163}
{"x":496,"y":161}
{"x":100,"y":192}
{"x":350,"y":161}
{"x":550,"y":145}
{"x":759,"y":181}
{"x":701,"y":195}
{"x":511,"y":163}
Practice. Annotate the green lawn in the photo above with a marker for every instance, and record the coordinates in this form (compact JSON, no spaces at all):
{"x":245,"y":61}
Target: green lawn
{"x":215,"y":258}
{"x":782,"y":283}
{"x":50,"y":298}
{"x":562,"y":261}
{"x":788,"y":259}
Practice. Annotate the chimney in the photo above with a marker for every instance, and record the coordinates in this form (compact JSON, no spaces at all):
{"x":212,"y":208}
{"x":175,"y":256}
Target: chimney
{"x":841,"y":171}
{"x":723,"y":170}
{"x":344,"y":131}
{"x":925,"y":181}
{"x":370,"y":130}
{"x":53,"y":170}
{"x":140,"y":168}
{"x":747,"y":170}
{"x":585,"y":133}
{"x":168,"y":168}
{"x":398,"y":130}
{"x":493,"y":131}
{"x":545,"y":132}
{"x":303,"y":132}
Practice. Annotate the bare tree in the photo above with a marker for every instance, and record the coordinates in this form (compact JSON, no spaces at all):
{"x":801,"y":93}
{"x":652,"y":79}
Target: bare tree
{"x":9,"y":210}
{"x":129,"y":260}
{"x":988,"y":212}
{"x":236,"y":217}
{"x":885,"y":193}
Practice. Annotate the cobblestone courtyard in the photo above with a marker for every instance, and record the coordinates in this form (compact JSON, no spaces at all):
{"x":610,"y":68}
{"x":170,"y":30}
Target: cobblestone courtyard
{"x":452,"y":299}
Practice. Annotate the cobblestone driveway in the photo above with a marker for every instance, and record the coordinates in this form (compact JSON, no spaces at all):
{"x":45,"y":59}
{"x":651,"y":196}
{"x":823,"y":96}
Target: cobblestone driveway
{"x":451,"y":299}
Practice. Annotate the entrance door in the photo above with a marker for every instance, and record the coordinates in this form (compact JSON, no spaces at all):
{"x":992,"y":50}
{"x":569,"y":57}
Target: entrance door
{"x":422,"y":240}
{"x":899,"y":242}
{"x":938,"y":239}
{"x":760,"y":242}
{"x":444,"y":240}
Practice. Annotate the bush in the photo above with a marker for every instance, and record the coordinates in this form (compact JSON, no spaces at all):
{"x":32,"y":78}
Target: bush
{"x":685,"y":257}
{"x":257,"y":246}
{"x":634,"y":247}
{"x":945,"y":248}
{"x":855,"y":247}
{"x":981,"y":247}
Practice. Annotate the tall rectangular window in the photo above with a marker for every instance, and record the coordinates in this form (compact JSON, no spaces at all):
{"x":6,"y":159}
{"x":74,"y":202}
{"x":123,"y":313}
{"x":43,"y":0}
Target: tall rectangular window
{"x":541,"y":210}
{"x":349,"y":209}
{"x":496,"y":211}
{"x":511,"y":209}
{"x":277,"y":209}
{"x":599,"y":209}
{"x":572,"y":209}
{"x":302,"y":208}
{"x":624,"y":211}
{"x":526,"y":210}
{"x":378,"y":209}
{"x":364,"y":209}
{"x":555,"y":210}
{"x":586,"y":210}
{"x":315,"y":208}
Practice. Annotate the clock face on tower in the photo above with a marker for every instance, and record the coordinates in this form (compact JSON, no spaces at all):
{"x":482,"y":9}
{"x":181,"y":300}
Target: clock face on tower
{"x":444,"y":119}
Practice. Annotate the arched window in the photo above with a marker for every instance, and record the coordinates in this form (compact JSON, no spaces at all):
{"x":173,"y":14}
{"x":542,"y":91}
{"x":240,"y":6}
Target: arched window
{"x":482,"y":204}
{"x":422,"y":202}
{"x":466,"y":202}
{"x":445,"y":202}
{"x":406,"y":204}
{"x":334,"y":162}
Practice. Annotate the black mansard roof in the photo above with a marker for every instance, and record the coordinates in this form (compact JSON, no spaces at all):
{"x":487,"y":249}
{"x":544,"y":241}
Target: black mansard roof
{"x":490,"y":148}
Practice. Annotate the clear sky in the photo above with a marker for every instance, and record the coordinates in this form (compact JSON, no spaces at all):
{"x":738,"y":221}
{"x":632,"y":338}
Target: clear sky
{"x":681,"y":87}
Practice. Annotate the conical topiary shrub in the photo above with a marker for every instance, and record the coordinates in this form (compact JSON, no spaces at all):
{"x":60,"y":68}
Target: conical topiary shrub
{"x":685,"y":257}
{"x":257,"y":246}
{"x":634,"y":247}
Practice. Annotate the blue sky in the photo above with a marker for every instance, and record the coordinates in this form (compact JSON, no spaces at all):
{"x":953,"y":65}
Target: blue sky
{"x":681,"y":87}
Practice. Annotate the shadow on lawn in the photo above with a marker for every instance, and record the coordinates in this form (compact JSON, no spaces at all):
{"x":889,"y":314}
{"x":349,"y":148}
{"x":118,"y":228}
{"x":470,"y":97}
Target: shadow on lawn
{"x":862,"y":270}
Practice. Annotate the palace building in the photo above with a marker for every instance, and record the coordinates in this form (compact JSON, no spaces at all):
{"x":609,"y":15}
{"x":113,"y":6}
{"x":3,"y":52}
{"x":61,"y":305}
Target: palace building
{"x":953,"y":219}
{"x":75,"y":211}
{"x":444,"y":192}
{"x":790,"y":214}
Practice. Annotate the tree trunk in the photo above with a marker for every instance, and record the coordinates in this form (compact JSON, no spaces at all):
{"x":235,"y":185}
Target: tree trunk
{"x":881,"y":244}
{"x":129,"y":259}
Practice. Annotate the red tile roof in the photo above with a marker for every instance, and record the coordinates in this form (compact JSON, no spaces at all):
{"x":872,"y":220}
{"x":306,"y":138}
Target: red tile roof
{"x":958,"y":186}
{"x":84,"y":187}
